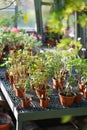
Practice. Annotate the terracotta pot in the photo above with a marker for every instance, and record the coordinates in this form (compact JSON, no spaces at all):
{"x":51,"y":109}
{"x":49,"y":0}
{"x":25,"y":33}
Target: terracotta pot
{"x":78,"y":97}
{"x":20,"y":92}
{"x":32,"y":86}
{"x":12,"y":50}
{"x":44,"y":102}
{"x":81,"y":87}
{"x":40,"y":92}
{"x":62,"y":80}
{"x":14,"y":86}
{"x":56,"y":84}
{"x":85,"y":94}
{"x":5,"y":121}
{"x":11,"y":79}
{"x":66,"y":100}
{"x":25,"y":102}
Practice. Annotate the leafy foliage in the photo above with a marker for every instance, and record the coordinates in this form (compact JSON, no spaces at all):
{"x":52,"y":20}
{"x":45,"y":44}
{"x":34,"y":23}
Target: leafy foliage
{"x":66,"y":119}
{"x":61,"y":10}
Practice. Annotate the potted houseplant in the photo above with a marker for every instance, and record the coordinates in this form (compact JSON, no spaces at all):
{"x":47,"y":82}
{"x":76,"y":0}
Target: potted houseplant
{"x":20,"y":61}
{"x":44,"y":101}
{"x":58,"y":72}
{"x":40,"y":81}
{"x":57,"y":66}
{"x":20,"y":88}
{"x":69,"y":45}
{"x":40,"y":73}
{"x":25,"y":101}
{"x":77,"y":67}
{"x":79,"y":71}
{"x":31,"y":43}
{"x":72,"y":80}
{"x":78,"y":97}
{"x":10,"y":40}
{"x":67,"y":96}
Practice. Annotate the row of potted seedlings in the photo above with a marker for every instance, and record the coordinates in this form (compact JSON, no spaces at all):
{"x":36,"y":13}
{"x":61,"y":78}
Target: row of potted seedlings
{"x":24,"y":73}
{"x":38,"y":68}
{"x":37,"y":71}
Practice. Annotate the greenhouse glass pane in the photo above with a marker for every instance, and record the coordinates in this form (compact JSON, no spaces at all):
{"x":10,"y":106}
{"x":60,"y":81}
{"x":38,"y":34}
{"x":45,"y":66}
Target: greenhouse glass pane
{"x":6,"y":3}
{"x":48,"y":1}
{"x":6,"y":15}
{"x":29,"y":20}
{"x":6,"y":12}
{"x":45,"y":13}
{"x":72,"y":25}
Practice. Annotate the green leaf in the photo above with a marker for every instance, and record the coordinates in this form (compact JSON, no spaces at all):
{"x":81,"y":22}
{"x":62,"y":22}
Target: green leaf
{"x":66,"y":119}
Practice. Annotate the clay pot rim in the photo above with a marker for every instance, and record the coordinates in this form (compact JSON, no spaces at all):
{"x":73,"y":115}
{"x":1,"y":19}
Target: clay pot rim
{"x":45,"y":98}
{"x":79,"y":94}
{"x":62,"y":94}
{"x":8,"y":120}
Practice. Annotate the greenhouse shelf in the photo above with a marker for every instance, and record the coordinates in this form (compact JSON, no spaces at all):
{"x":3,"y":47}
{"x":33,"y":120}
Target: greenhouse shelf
{"x":35,"y":112}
